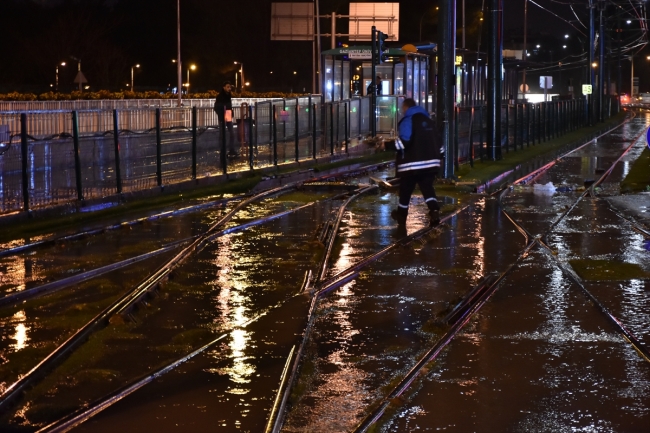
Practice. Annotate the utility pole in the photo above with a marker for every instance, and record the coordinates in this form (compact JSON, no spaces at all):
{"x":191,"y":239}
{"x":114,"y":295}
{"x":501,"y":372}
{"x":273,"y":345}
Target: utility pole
{"x":373,"y":86}
{"x":318,"y":49}
{"x":495,"y":67}
{"x":179,"y":69}
{"x":524,"y":56}
{"x":590,"y":68}
{"x":464,"y":24}
{"x":601,"y":62}
{"x":447,"y":64}
{"x":619,"y":76}
{"x":333,"y":30}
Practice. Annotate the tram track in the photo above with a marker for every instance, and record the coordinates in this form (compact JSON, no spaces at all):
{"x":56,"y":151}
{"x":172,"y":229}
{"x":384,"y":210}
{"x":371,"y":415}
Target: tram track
{"x":318,"y":289}
{"x":125,"y":303}
{"x":324,"y":286}
{"x":470,"y":305}
{"x":542,"y":241}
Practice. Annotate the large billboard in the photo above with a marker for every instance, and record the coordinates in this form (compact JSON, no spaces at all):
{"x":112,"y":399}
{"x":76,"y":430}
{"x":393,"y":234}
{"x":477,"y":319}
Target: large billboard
{"x":292,"y":21}
{"x":384,"y":16}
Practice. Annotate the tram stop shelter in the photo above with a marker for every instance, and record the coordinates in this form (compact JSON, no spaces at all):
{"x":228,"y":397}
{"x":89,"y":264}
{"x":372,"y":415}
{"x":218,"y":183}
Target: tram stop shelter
{"x":348,"y":73}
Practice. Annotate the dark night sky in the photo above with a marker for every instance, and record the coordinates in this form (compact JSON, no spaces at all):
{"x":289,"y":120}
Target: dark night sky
{"x":112,"y":35}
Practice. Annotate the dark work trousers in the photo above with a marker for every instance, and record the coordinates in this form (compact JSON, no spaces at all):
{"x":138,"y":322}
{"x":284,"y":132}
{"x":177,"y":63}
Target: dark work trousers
{"x":231,"y":138}
{"x":407,"y":186}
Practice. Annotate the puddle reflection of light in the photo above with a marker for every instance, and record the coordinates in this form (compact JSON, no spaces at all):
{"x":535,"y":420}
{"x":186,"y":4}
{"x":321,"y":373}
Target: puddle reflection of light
{"x":479,"y":258}
{"x":21,"y":331}
{"x":233,"y":303}
{"x":347,"y":250}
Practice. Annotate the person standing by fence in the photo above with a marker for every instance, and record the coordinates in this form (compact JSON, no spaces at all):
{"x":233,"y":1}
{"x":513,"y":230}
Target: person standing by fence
{"x":418,"y":161}
{"x":223,"y":108}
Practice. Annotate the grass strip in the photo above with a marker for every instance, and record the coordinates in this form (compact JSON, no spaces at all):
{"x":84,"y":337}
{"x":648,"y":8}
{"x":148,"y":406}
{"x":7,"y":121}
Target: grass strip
{"x":486,"y":170}
{"x":638,"y":179}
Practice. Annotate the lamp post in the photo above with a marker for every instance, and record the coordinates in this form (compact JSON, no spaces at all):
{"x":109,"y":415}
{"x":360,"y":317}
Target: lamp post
{"x":193,"y":68}
{"x":524,"y":54}
{"x":179,"y":70}
{"x":422,"y":19}
{"x":56,"y":82}
{"x":132,"y":74}
{"x":241,"y":76}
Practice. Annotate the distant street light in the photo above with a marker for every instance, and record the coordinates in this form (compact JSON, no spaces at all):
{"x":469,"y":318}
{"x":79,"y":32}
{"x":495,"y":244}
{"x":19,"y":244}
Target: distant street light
{"x":566,"y":36}
{"x":193,"y":68}
{"x":56,"y":82}
{"x":132,"y":68}
{"x":241,"y":74}
{"x":594,"y":65}
{"x":247,"y":84}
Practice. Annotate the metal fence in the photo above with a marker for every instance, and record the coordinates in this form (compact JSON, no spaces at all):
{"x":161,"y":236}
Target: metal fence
{"x":98,"y":153}
{"x":521,"y":125}
{"x":118,"y":104}
{"x":56,"y":156}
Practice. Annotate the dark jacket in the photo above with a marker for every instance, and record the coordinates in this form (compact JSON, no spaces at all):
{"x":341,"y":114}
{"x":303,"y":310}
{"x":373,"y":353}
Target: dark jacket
{"x":224,"y":100}
{"x":418,"y":149}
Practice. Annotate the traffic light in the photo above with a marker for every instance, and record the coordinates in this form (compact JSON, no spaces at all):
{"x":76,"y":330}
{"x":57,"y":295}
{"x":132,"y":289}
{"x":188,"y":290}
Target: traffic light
{"x":381,"y":47}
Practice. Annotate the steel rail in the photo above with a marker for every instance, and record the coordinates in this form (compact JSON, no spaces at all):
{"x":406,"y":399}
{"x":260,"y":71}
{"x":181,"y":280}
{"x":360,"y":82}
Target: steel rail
{"x":277,"y":414}
{"x":329,"y":285}
{"x":71,"y":421}
{"x":591,"y":189}
{"x":101,"y":320}
{"x":122,"y":304}
{"x":335,"y":229}
{"x":82,"y":235}
{"x":615,"y":321}
{"x":474,"y":300}
{"x":431,"y":355}
{"x":55,"y":286}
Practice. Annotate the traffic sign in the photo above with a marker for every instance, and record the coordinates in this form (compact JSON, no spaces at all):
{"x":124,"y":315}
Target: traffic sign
{"x":546,"y":82}
{"x":80,"y":78}
{"x":587,"y":89}
{"x":647,"y":138}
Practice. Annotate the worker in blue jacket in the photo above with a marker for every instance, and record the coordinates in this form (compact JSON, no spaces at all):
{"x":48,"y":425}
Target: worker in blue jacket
{"x":418,"y":161}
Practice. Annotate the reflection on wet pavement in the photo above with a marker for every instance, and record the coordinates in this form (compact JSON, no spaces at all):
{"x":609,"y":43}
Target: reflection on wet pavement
{"x":538,"y":357}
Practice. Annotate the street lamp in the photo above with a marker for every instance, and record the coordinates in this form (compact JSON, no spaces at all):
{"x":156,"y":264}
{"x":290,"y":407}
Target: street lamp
{"x":422,"y":19}
{"x":132,"y":68}
{"x":241,"y":74}
{"x":193,"y":68}
{"x":56,"y":82}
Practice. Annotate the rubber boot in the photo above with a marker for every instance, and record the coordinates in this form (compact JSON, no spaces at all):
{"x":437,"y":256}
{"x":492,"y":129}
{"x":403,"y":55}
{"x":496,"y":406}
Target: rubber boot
{"x":400,"y":215}
{"x":434,"y":214}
